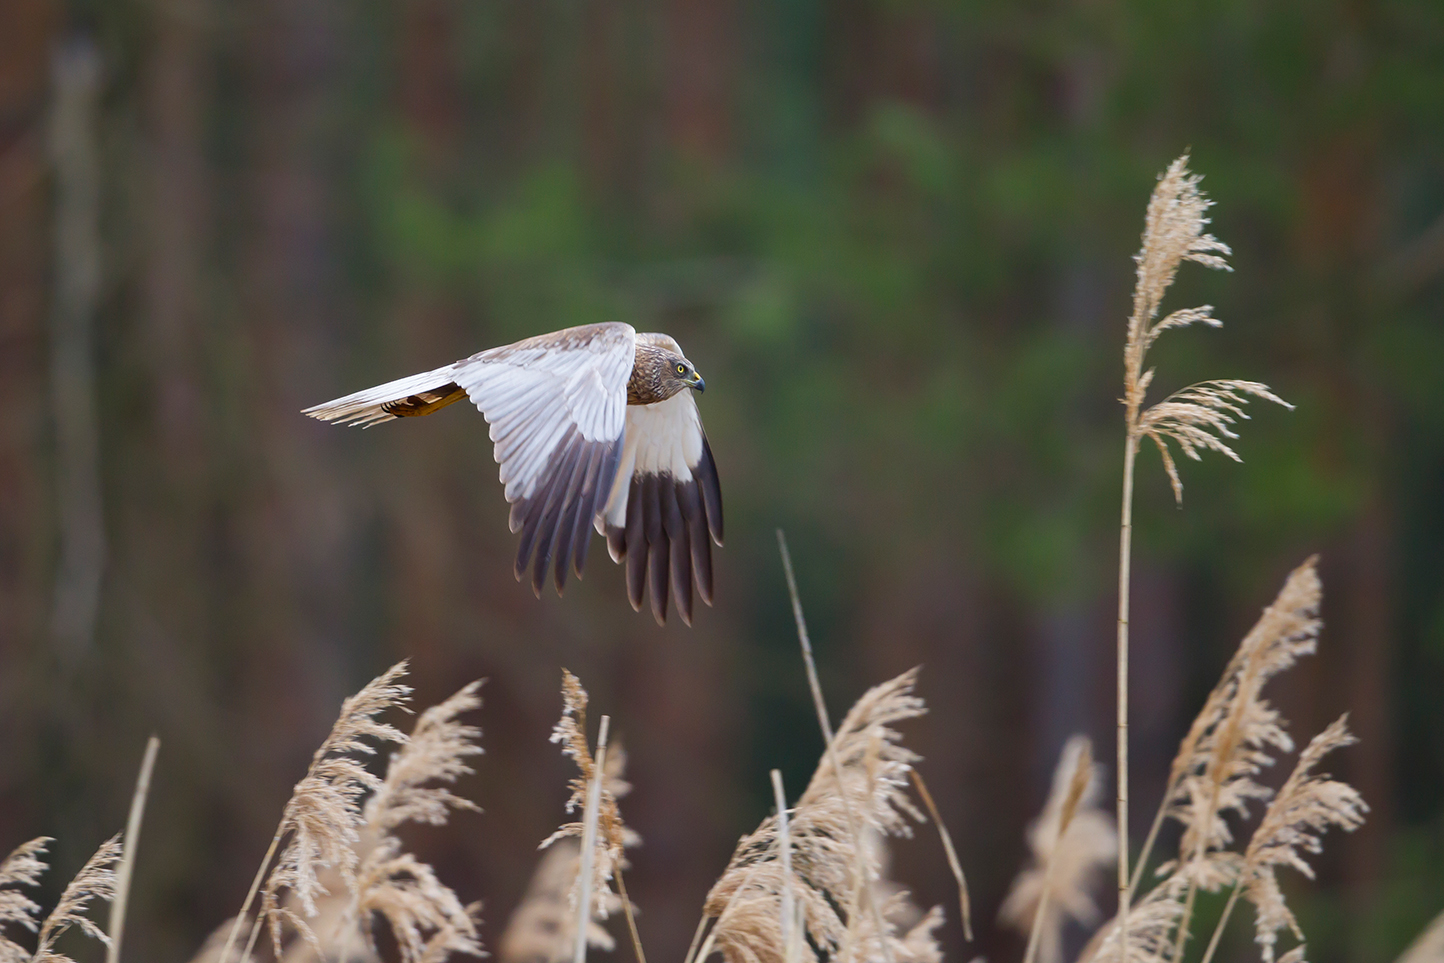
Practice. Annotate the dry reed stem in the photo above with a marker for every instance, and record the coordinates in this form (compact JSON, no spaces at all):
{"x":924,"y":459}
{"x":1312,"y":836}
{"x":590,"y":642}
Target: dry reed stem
{"x":589,"y":844}
{"x":210,"y":950}
{"x":965,"y":904}
{"x":631,"y":919}
{"x":1196,"y":418}
{"x":1125,"y":561}
{"x":826,"y":725}
{"x":784,"y":845}
{"x":696,"y":939}
{"x":127,"y":856}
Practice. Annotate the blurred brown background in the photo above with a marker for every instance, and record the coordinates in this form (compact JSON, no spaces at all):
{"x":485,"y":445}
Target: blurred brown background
{"x":895,"y":237}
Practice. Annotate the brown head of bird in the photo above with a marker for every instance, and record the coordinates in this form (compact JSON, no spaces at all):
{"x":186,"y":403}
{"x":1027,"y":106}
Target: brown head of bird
{"x":659,"y":373}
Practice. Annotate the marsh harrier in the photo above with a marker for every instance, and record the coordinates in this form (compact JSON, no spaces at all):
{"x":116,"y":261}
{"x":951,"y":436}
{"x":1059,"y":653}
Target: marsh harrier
{"x":591,"y":425}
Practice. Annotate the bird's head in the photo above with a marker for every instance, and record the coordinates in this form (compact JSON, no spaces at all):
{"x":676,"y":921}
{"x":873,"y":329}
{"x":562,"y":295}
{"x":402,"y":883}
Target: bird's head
{"x":660,"y":372}
{"x":683,"y":374}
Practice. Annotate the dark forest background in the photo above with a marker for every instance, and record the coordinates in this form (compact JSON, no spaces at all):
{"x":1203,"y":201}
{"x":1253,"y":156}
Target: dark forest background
{"x":895,"y":237}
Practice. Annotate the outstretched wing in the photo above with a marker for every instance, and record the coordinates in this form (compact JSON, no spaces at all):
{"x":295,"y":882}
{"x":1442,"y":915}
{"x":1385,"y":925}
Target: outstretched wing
{"x":557,"y":407}
{"x":665,"y":503}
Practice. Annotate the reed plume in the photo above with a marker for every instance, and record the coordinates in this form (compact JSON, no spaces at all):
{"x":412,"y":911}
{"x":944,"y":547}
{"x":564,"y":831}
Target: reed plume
{"x":614,"y":835}
{"x":1304,"y":808}
{"x":1234,"y":737}
{"x":828,"y":868}
{"x":543,"y":927}
{"x":23,"y":867}
{"x":425,"y":916}
{"x":96,"y":880}
{"x":1072,"y":842}
{"x":1149,"y":937}
{"x":322,"y":819}
{"x":1234,"y":719}
{"x":1197,"y":418}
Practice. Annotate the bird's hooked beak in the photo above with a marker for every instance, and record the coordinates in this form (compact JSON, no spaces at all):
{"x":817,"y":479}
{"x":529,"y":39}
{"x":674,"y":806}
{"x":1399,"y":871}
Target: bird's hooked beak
{"x":695,"y":382}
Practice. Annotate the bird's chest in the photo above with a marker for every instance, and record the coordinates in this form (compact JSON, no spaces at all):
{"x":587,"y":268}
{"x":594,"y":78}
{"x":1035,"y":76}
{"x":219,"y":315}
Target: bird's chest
{"x":643,"y":387}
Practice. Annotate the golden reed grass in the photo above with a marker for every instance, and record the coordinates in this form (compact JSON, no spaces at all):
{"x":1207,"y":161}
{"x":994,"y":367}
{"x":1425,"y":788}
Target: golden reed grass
{"x":1197,"y":418}
{"x":811,"y":884}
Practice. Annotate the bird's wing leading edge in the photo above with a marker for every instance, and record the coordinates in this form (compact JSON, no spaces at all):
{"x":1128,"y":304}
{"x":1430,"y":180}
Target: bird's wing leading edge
{"x":557,"y":407}
{"x":665,"y":504}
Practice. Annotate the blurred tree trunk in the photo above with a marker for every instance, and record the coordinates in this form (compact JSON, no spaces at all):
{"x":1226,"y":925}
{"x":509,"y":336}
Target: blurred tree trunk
{"x":423,"y":327}
{"x":1338,"y":239}
{"x":27,"y":32}
{"x":603,"y":71}
{"x":882,"y":51}
{"x":293,"y":528}
{"x":74,"y":151}
{"x":176,"y":87}
{"x":700,"y":66}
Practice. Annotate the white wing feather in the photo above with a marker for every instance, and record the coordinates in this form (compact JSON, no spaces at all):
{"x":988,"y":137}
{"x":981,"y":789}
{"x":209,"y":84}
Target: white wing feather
{"x":533,"y":391}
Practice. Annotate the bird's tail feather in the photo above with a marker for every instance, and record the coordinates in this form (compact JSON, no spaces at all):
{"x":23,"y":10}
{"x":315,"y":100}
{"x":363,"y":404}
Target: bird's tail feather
{"x":419,"y":394}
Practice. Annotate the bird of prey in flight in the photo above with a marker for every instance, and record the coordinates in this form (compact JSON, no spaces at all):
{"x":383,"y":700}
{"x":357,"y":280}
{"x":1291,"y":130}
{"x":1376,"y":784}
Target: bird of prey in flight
{"x":591,"y":425}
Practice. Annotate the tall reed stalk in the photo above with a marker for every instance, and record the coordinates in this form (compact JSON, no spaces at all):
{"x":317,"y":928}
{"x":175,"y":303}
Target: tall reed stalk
{"x":1195,"y":418}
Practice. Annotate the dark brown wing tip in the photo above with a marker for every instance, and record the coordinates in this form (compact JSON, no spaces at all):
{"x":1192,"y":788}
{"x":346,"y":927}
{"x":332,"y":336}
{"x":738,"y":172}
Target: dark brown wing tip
{"x":705,"y":471}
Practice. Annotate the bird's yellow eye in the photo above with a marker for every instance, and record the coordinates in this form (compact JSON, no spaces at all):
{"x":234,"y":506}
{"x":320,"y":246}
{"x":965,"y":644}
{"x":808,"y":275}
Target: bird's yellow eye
{"x":681,"y":369}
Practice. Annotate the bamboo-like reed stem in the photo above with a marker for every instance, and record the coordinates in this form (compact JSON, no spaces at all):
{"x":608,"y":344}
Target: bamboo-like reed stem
{"x":127,"y":854}
{"x":965,"y":904}
{"x":1147,"y":849}
{"x":1125,"y":561}
{"x":1035,"y":934}
{"x":1222,"y":922}
{"x":250,"y":898}
{"x":631,"y":919}
{"x":589,"y":844}
{"x":696,"y":938}
{"x":251,"y":941}
{"x":831,"y":750}
{"x":784,"y":843}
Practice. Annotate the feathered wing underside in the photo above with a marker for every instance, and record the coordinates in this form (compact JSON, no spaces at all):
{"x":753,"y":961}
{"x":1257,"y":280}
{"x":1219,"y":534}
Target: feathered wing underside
{"x":665,"y":504}
{"x":557,"y":407}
